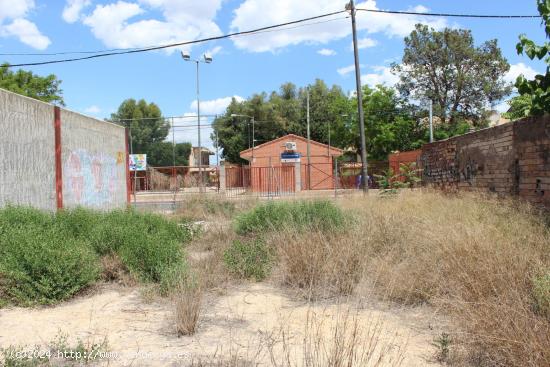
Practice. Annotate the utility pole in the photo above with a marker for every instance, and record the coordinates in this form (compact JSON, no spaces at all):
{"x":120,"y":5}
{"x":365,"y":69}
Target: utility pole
{"x":328,"y":147}
{"x":308,"y":150}
{"x":217,"y":147}
{"x":364,"y":173}
{"x":431,"y":122}
{"x":253,"y":139}
{"x":201,"y":183}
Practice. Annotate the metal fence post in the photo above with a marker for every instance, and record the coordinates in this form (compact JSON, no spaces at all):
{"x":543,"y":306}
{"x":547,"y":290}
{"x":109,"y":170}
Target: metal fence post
{"x":335,"y":177}
{"x":221,"y":178}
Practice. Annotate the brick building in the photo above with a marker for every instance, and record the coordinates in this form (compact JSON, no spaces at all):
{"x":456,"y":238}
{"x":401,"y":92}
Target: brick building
{"x":282,"y":165}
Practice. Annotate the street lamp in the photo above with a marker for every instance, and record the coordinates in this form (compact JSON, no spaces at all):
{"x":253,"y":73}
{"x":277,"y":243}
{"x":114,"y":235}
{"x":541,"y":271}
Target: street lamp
{"x":253,"y":140}
{"x":206,"y":60}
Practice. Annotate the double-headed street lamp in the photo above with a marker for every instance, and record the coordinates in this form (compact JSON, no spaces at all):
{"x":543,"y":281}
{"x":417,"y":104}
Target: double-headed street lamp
{"x":253,"y":140}
{"x":206,"y":60}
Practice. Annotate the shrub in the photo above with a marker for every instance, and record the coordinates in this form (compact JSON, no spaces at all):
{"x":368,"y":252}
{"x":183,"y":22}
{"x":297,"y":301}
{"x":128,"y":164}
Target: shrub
{"x":250,"y":260}
{"x":301,"y":215}
{"x":44,"y":266}
{"x":46,"y":258}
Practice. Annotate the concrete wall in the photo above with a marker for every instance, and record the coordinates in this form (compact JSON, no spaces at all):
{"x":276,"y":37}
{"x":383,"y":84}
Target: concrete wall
{"x":510,"y":159}
{"x":91,"y":157}
{"x":27,"y":161}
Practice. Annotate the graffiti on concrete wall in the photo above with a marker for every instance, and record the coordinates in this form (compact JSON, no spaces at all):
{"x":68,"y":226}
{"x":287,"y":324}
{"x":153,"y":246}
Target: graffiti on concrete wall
{"x":89,"y":179}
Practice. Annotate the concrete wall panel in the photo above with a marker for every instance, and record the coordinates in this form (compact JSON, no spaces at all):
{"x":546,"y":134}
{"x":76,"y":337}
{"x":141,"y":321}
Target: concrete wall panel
{"x":27,"y":152}
{"x":93,"y":158}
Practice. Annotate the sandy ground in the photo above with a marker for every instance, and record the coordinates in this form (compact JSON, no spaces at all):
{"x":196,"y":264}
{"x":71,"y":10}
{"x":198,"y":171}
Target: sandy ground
{"x":242,"y":322}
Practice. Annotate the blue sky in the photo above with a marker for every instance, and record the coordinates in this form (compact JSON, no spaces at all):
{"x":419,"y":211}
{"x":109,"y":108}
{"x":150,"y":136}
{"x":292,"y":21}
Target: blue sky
{"x":242,"y":66}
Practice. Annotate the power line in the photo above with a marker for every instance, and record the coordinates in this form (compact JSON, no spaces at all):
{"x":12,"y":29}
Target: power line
{"x":450,"y":15}
{"x":147,"y":49}
{"x":121,"y":51}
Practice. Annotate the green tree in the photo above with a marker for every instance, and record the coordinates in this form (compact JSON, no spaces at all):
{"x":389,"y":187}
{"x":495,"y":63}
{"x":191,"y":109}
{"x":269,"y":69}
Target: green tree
{"x":166,"y":154}
{"x":390,"y":124}
{"x":447,"y":68}
{"x":27,"y":83}
{"x":537,"y":91}
{"x":520,"y":106}
{"x":149,"y":130}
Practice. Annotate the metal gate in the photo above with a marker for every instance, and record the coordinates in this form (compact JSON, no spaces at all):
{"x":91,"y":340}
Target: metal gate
{"x":260,"y":181}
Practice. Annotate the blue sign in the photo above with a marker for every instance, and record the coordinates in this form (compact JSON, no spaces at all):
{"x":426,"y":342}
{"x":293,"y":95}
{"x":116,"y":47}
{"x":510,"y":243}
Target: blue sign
{"x":288,"y":155}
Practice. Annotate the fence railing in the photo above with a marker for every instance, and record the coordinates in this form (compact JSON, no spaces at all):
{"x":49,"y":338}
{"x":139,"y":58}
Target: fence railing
{"x":244,"y":180}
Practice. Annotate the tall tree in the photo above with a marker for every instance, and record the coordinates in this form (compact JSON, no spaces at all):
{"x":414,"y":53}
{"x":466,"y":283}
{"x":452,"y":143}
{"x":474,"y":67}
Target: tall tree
{"x":43,"y":88}
{"x":390,"y":124}
{"x":446,"y":67}
{"x":537,"y":91}
{"x":144,"y":121}
{"x":149,"y":131}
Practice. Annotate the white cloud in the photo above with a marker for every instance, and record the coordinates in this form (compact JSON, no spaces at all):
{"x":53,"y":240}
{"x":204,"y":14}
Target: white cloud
{"x":11,"y":9}
{"x":381,"y":75}
{"x":347,"y":69}
{"x":214,"y":106}
{"x":520,"y":69}
{"x":258,"y":13}
{"x":93,"y":110}
{"x":27,"y":32}
{"x":184,"y":20}
{"x":73,"y":8}
{"x":326,"y":52}
{"x":364,"y":43}
{"x":13,"y":23}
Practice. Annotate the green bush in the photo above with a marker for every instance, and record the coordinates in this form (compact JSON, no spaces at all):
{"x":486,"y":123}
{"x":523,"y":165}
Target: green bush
{"x":541,"y":293}
{"x":250,"y":260}
{"x":46,"y":258}
{"x":301,"y":215}
{"x":44,"y":266}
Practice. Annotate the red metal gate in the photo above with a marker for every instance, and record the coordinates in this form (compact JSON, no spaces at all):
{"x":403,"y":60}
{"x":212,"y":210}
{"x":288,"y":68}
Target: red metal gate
{"x":260,"y":181}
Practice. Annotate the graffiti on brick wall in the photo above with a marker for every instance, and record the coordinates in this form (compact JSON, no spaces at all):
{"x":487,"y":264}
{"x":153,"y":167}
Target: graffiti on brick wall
{"x":438,"y":170}
{"x":89,"y":179}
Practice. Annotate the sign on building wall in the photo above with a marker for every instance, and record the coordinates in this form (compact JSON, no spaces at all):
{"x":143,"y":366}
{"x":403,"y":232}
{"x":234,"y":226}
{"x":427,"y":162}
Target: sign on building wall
{"x":138,"y":162}
{"x":290,"y":157}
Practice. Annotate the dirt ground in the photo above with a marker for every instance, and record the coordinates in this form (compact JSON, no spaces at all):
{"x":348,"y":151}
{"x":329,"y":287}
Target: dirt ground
{"x":244,"y":321}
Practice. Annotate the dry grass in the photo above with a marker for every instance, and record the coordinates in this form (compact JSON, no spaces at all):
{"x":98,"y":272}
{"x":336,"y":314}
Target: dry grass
{"x":206,"y":256}
{"x":187,"y":298}
{"x":341,"y":339}
{"x":318,"y":264}
{"x":213,"y":207}
{"x":473,"y":256}
{"x":113,"y":270}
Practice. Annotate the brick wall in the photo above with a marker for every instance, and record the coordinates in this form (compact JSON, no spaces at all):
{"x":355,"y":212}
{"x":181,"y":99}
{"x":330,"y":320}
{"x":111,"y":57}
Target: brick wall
{"x":396,"y":159}
{"x":510,"y":159}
